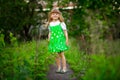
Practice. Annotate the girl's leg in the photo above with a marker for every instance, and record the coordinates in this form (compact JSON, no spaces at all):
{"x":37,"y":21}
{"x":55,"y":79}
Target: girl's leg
{"x":58,"y":62}
{"x":63,"y":61}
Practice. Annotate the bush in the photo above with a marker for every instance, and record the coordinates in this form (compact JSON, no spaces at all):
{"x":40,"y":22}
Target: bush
{"x":76,"y":59}
{"x":103,"y":68}
{"x":28,"y":61}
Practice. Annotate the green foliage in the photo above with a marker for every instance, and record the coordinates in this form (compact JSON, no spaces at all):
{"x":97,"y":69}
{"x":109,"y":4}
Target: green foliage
{"x":14,"y":14}
{"x":76,"y":59}
{"x":105,"y":12}
{"x":17,"y":16}
{"x":78,"y":26}
{"x":13,"y":40}
{"x":31,"y":60}
{"x":26,"y":61}
{"x":2,"y":43}
{"x":102,"y":65}
{"x":103,"y":68}
{"x":111,"y":47}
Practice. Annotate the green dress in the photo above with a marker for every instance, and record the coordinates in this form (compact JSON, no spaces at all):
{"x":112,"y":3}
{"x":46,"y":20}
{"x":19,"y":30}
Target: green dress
{"x":57,"y":39}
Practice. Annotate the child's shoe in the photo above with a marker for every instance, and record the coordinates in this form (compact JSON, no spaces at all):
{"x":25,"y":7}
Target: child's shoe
{"x":58,"y":71}
{"x":64,"y":71}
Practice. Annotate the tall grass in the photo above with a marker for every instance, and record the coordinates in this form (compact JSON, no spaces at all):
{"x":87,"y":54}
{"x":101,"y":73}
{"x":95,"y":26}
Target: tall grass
{"x":103,"y":67}
{"x":28,"y":61}
{"x":104,"y":64}
{"x":76,"y":58}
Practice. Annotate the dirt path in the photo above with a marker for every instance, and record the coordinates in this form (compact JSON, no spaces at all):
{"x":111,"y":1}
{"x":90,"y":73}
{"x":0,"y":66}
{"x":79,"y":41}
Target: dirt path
{"x":52,"y":75}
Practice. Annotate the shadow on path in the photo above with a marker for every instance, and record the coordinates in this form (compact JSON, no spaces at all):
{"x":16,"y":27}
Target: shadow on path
{"x":52,"y":75}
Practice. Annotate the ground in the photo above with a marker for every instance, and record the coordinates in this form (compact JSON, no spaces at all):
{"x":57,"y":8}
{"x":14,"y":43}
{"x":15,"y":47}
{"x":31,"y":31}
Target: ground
{"x":52,"y":75}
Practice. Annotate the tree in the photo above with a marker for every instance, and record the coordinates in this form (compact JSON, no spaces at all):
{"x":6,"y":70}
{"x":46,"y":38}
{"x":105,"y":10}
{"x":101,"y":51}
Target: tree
{"x":17,"y":16}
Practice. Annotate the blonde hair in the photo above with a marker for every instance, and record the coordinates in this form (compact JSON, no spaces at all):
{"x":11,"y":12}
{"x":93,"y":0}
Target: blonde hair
{"x":54,"y":11}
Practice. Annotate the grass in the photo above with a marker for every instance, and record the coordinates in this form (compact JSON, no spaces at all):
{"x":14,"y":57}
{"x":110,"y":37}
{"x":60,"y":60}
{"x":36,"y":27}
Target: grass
{"x":26,"y":61}
{"x":76,"y":58}
{"x":30,"y":61}
{"x":102,"y":65}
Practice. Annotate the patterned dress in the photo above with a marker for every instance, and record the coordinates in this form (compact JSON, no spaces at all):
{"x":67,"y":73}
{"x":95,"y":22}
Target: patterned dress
{"x":57,"y":39}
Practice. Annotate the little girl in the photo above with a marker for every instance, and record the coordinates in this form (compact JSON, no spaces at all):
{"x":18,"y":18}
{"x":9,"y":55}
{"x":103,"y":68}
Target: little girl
{"x":58,"y":38}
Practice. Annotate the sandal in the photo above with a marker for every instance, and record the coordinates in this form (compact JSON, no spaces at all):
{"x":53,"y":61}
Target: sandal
{"x":63,"y":71}
{"x":58,"y":71}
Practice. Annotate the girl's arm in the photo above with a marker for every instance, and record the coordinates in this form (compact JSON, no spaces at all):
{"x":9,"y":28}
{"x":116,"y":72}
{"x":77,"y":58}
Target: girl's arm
{"x":63,"y":25}
{"x":66,"y":36}
{"x":49,"y":36}
{"x":48,"y":31}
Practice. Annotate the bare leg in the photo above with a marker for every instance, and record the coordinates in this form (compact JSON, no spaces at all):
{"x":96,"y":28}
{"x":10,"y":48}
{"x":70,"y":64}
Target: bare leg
{"x":63,"y":61}
{"x":58,"y":61}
